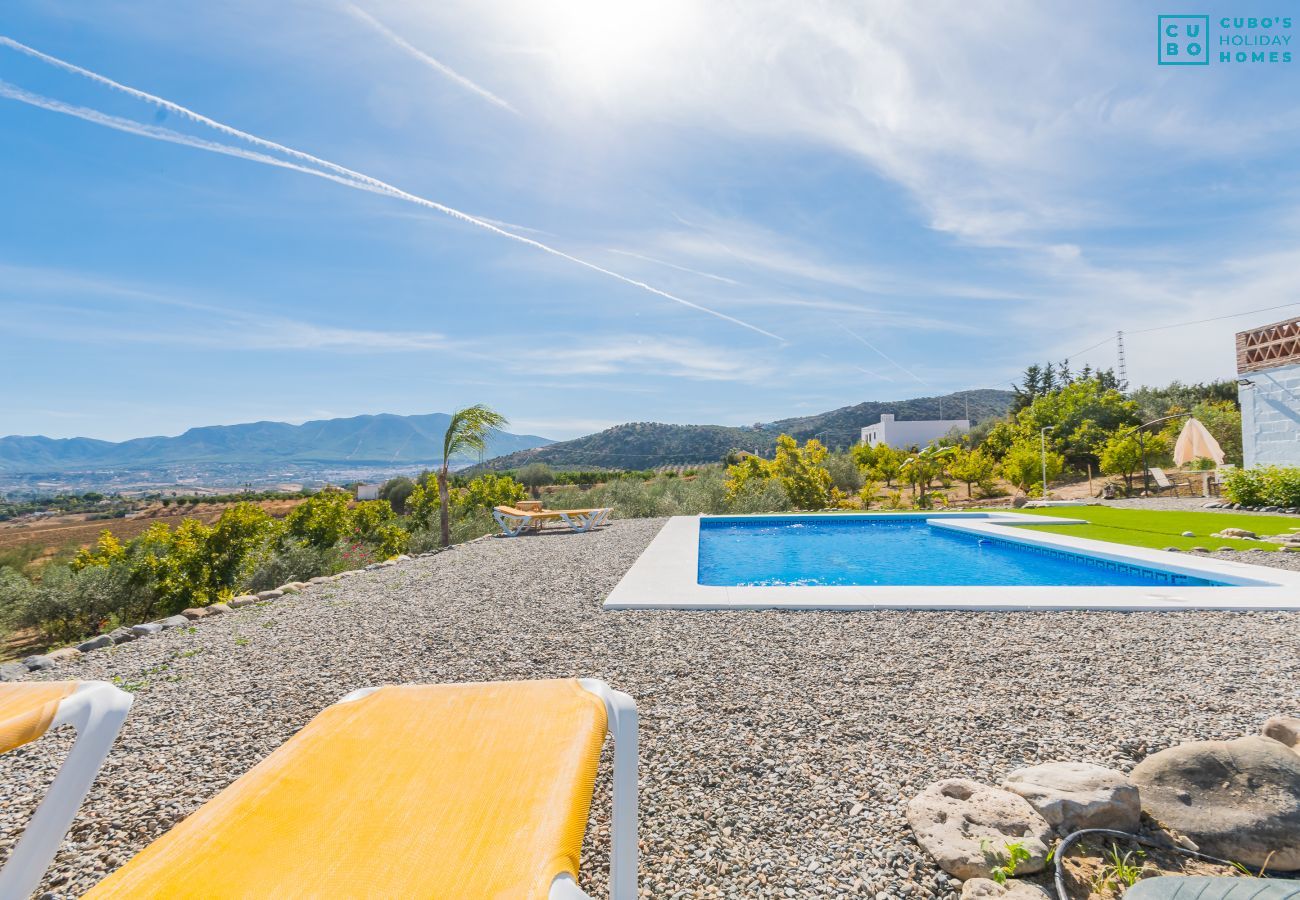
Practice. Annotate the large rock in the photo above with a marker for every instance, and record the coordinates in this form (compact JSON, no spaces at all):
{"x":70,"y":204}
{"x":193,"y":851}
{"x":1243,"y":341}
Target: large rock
{"x":270,"y":595}
{"x":1236,"y":799}
{"x":987,"y":889}
{"x":966,"y":827}
{"x":243,"y":600}
{"x":1285,"y":729}
{"x":1072,"y":796}
{"x":173,"y":622}
{"x":145,"y":629}
{"x":12,"y":671}
{"x":1241,"y":533}
{"x":39,"y":663}
{"x":122,"y":635}
{"x":64,"y":654}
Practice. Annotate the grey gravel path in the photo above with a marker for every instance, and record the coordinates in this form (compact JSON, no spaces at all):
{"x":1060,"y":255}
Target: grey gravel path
{"x":1186,"y":503}
{"x":777,"y":748}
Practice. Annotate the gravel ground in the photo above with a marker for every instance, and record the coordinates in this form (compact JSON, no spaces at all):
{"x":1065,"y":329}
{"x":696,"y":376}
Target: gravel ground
{"x":777,"y":748}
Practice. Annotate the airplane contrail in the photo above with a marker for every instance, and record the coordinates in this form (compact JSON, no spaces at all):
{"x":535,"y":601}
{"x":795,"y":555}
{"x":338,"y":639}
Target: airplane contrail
{"x":441,"y":68}
{"x":335,"y":172}
{"x":887,"y":357}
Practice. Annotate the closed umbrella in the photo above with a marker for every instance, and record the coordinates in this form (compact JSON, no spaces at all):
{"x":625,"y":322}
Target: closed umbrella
{"x":1196,"y":442}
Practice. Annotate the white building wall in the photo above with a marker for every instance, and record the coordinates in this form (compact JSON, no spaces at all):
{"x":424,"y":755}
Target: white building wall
{"x":1270,"y":417}
{"x":368,"y":491}
{"x":911,"y":434}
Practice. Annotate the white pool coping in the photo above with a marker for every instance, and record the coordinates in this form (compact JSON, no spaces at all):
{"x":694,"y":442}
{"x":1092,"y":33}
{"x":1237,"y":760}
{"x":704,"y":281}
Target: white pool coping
{"x":665,"y":577}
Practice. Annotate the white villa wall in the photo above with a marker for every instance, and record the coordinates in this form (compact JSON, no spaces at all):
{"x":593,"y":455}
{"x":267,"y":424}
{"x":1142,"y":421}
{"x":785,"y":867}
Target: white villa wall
{"x":911,"y":434}
{"x":368,"y":491}
{"x":1270,"y":417}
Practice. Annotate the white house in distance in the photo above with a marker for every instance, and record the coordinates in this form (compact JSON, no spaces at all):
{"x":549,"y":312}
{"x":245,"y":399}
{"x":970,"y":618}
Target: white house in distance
{"x":1268,"y":371}
{"x":911,"y":434}
{"x":368,"y":491}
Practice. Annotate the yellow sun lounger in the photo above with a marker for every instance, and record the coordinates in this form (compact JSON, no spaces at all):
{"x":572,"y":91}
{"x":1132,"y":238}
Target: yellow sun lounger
{"x":28,"y":710}
{"x":447,"y":791}
{"x":515,"y":522}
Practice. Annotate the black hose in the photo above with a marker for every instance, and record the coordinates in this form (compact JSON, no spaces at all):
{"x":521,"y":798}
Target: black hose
{"x":1062,"y":847}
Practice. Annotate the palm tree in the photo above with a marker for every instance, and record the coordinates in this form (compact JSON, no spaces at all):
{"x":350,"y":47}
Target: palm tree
{"x":467,"y":430}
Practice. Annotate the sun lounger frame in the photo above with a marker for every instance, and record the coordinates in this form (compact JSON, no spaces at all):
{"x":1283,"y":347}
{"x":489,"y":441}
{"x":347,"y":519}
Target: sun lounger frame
{"x":515,"y":522}
{"x":96,"y":709}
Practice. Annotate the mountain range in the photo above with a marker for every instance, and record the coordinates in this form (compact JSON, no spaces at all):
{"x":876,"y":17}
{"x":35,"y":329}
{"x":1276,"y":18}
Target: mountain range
{"x":361,"y":441}
{"x":643,"y":445}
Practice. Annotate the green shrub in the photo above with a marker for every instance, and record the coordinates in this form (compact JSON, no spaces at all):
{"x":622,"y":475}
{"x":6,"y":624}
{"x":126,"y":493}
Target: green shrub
{"x":295,"y":562}
{"x":1263,"y":486}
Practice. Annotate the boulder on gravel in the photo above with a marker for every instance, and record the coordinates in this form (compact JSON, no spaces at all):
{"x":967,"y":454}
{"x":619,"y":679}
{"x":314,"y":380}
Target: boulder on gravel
{"x":243,"y":600}
{"x":63,"y":654}
{"x":270,"y":595}
{"x":194,"y":612}
{"x":965,"y":826}
{"x":122,"y":635}
{"x":988,"y":889}
{"x":96,"y":643}
{"x":12,"y":671}
{"x":1239,"y":799}
{"x":145,"y":629}
{"x":1285,"y":729}
{"x":38,"y":663}
{"x":319,"y":579}
{"x":173,"y":622}
{"x":217,"y":609}
{"x":1073,"y":795}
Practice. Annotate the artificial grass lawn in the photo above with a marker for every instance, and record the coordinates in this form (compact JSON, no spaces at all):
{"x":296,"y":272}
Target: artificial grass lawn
{"x":1163,"y":528}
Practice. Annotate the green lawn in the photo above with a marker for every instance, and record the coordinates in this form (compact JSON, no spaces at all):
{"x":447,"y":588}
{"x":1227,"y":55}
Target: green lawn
{"x":1163,"y":528}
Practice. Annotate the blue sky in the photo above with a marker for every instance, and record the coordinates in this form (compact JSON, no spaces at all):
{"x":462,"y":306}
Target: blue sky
{"x":796,"y":206}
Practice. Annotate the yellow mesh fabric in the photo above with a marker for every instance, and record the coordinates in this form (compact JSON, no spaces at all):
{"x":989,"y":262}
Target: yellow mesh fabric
{"x":27,"y":708}
{"x":449,"y":791}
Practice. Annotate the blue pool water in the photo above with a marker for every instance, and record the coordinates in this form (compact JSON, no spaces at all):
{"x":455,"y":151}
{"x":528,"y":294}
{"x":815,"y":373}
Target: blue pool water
{"x":825,"y":550}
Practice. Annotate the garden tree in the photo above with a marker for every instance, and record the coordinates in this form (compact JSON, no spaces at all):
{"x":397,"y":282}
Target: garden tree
{"x":745,"y":471}
{"x":423,"y":502}
{"x":1079,"y":413}
{"x":845,"y":474}
{"x":489,"y":491}
{"x":536,"y":476}
{"x":864,"y":455}
{"x":1023,"y":465}
{"x":886,"y":463}
{"x":806,"y":481}
{"x":924,"y":467}
{"x":1154,"y":402}
{"x":396,"y":491}
{"x":320,"y":521}
{"x":1122,"y":454}
{"x":468,"y":429}
{"x":972,"y":467}
{"x":233,"y":542}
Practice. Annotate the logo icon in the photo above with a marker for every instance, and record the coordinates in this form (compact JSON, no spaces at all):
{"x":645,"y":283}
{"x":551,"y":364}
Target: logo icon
{"x":1183,"y":40}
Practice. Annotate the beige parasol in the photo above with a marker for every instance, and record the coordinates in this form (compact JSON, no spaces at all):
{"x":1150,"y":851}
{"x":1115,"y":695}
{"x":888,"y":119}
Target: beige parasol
{"x":1195,"y":441}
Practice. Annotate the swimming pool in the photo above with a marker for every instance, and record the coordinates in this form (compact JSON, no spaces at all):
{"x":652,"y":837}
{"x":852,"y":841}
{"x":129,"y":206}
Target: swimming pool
{"x":993,"y":560}
{"x":826,"y":550}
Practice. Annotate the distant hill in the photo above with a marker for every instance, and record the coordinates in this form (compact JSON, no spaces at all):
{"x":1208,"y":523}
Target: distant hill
{"x":645,"y":445}
{"x":381,"y":440}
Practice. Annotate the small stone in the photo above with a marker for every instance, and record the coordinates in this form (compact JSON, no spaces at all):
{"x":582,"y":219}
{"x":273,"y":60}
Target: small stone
{"x":1226,"y":550}
{"x":1173,"y":550}
{"x":217,"y":609}
{"x":401,"y":557}
{"x":1200,"y":549}
{"x":95,"y":643}
{"x":12,"y":671}
{"x":965,"y":826}
{"x":145,"y":629}
{"x":1072,"y":796}
{"x":1189,"y":534}
{"x":319,"y":579}
{"x":173,"y":622}
{"x":38,"y":663}
{"x":1285,"y":729}
{"x":987,"y":889}
{"x":244,"y":600}
{"x":122,"y":635}
{"x":270,"y":595}
{"x":64,"y":654}
{"x":194,"y":612}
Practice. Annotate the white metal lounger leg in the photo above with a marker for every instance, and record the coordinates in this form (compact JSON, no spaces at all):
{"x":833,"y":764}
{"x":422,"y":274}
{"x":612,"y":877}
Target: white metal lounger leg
{"x":620,"y":710}
{"x":513,"y":526}
{"x":584,"y":521}
{"x":96,"y":709}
